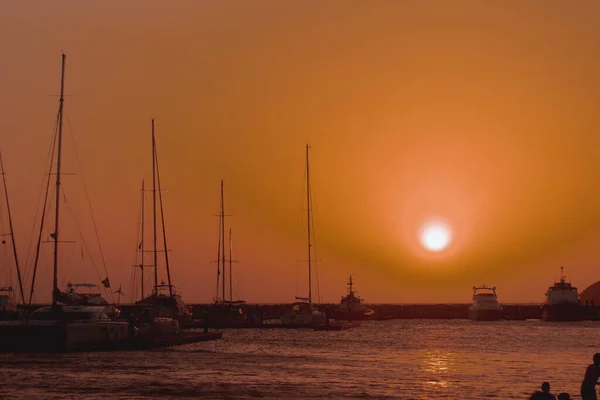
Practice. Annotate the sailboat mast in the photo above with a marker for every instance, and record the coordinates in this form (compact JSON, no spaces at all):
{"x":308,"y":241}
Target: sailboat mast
{"x":10,"y":226}
{"x":223,"y":236}
{"x":142,"y":243}
{"x":230,"y":273}
{"x":154,"y":208}
{"x":58,"y":165}
{"x":164,"y":232}
{"x":308,"y":206}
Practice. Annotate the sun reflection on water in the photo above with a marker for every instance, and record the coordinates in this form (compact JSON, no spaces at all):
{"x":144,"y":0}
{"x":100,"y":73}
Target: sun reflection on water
{"x":437,"y":365}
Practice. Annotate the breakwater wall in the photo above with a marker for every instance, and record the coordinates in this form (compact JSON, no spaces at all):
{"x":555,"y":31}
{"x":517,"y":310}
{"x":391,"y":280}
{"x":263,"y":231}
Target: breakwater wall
{"x":392,"y":311}
{"x":382,"y":311}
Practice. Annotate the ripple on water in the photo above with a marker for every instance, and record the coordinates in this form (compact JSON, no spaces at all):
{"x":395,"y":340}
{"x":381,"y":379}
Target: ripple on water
{"x":405,"y":359}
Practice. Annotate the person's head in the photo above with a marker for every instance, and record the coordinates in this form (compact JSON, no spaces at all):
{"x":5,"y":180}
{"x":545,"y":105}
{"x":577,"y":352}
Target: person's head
{"x":546,"y":387}
{"x":564,"y":396}
{"x":597,"y":358}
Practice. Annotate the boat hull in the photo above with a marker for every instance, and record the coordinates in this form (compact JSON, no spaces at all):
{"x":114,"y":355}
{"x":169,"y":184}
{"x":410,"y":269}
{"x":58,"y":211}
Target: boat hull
{"x":485,"y":314}
{"x":54,"y":339}
{"x":563,"y":312}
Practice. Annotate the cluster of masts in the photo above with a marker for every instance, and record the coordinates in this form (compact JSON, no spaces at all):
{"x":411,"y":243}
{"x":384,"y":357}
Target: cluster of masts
{"x":221,"y":295}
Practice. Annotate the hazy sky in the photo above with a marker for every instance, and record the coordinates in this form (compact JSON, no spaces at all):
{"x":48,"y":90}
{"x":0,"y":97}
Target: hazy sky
{"x":481,"y":113}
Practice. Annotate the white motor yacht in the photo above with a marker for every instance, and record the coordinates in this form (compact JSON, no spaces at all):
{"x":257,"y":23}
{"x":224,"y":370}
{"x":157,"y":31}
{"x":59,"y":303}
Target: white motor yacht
{"x":485,"y":305}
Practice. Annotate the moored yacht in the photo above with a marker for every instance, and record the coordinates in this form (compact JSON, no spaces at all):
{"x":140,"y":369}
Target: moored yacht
{"x":61,"y":327}
{"x":224,"y":313}
{"x":65,"y":328}
{"x":304,"y":312}
{"x":485,"y":305}
{"x":167,"y":303}
{"x":562,"y":302}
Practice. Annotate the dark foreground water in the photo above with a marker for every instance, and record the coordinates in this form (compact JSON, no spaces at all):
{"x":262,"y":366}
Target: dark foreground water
{"x":406,"y":359}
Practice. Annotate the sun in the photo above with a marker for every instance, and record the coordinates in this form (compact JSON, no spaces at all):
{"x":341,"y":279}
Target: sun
{"x":435,"y":236}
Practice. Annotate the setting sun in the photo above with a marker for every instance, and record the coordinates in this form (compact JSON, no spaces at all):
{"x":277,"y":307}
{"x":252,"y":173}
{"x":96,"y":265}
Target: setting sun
{"x":435,"y":236}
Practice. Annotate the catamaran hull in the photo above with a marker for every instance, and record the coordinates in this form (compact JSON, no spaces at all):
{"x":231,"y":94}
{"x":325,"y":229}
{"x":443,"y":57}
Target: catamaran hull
{"x":21,"y":337}
{"x":54,"y":339}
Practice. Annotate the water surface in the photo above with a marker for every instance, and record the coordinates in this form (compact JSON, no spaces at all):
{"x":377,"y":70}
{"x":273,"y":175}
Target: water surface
{"x":402,"y":359}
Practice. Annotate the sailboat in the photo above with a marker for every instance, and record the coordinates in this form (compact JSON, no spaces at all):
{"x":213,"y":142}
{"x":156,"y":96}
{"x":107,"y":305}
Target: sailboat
{"x":225,"y":313}
{"x":303,"y":311}
{"x":165,"y":300}
{"x":8,"y":297}
{"x":62,"y":327}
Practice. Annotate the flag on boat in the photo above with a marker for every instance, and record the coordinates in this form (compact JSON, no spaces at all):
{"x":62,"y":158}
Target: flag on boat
{"x":106,"y":283}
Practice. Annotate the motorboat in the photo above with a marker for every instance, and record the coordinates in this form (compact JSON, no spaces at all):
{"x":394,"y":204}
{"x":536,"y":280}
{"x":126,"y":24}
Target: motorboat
{"x":485,"y":305}
{"x":562,"y":302}
{"x":351,"y":306}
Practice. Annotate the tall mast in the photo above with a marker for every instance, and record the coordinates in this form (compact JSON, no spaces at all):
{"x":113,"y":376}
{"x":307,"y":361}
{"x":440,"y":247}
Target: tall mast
{"x":142,"y":242}
{"x":219,"y":260}
{"x":162,"y":220}
{"x":58,"y":165}
{"x":154,"y":208}
{"x":230,"y":273}
{"x":10,"y":226}
{"x":223,"y":236}
{"x":308,"y":206}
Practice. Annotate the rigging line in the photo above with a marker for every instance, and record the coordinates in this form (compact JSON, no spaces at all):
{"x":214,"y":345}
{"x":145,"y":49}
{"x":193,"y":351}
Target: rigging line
{"x":70,"y":209}
{"x":12,"y":234}
{"x":43,"y":217}
{"x":39,"y":203}
{"x":87,"y":196}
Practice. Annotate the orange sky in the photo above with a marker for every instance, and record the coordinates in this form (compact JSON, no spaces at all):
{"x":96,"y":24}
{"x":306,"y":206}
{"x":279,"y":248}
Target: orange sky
{"x":485,"y":114}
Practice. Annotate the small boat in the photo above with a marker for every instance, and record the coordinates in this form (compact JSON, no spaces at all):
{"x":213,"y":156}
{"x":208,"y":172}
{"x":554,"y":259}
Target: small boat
{"x":351,"y":306}
{"x":303,"y":311}
{"x":485,"y":305}
{"x":562,"y":302}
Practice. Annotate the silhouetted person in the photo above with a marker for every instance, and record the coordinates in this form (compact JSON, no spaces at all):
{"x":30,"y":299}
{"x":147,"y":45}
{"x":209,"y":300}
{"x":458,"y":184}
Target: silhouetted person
{"x":544,"y":394}
{"x":590,"y":380}
{"x":564,"y":396}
